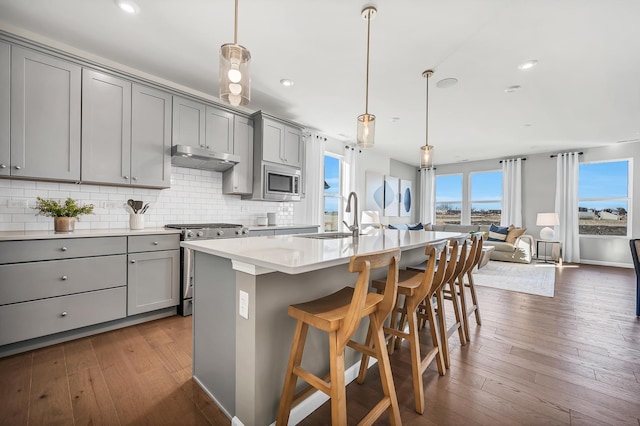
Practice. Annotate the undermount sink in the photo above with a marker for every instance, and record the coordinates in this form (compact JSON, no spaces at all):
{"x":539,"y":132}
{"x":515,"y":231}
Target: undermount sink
{"x":327,"y":235}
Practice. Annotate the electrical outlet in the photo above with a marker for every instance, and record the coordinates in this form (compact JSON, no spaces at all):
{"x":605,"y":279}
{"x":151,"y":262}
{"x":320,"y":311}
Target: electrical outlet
{"x":111,"y":204}
{"x":244,"y":304}
{"x":17,"y":204}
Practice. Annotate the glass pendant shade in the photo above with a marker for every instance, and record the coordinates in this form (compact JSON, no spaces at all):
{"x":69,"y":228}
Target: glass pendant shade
{"x":426,"y":159}
{"x":366,"y":130}
{"x":235,"y":76}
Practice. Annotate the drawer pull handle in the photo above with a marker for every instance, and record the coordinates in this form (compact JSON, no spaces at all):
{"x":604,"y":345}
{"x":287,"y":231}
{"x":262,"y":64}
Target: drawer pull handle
{"x":155,"y":243}
{"x":63,"y":248}
{"x":133,"y":261}
{"x":64,"y":314}
{"x":64,"y":278}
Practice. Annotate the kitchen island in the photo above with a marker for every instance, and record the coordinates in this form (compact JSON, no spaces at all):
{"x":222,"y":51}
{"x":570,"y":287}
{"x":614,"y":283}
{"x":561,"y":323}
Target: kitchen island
{"x":242,"y":332}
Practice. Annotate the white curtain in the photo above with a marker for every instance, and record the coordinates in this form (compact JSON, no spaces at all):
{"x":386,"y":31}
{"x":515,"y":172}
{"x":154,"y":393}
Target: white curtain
{"x":349,"y":180}
{"x":310,"y":208}
{"x":428,"y":196}
{"x":511,"y":193}
{"x":567,"y":167}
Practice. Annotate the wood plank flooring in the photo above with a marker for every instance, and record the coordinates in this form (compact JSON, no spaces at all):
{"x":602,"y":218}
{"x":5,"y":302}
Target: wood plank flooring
{"x":569,"y":360}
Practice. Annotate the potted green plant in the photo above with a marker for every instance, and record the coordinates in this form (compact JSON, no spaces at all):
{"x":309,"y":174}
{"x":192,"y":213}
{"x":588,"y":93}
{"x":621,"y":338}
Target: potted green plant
{"x":64,"y":214}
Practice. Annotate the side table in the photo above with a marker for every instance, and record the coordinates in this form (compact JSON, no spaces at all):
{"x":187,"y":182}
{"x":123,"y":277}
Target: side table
{"x":546,"y":244}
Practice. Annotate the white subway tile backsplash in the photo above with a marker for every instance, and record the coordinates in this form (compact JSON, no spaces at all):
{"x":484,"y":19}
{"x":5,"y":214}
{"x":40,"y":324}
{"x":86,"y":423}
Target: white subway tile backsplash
{"x":194,"y":196}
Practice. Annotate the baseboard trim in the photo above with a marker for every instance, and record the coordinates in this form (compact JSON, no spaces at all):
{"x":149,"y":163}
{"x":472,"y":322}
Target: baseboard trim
{"x":234,"y":420}
{"x":601,"y":263}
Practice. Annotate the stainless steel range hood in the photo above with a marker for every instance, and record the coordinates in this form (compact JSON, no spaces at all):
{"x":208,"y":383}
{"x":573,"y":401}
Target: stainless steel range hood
{"x":200,"y":158}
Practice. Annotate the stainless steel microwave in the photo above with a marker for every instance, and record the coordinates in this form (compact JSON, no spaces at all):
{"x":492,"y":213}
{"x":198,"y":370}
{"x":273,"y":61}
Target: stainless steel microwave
{"x":280,"y":183}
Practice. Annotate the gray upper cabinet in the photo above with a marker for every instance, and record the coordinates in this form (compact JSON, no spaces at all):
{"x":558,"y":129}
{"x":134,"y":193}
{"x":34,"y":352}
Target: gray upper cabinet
{"x":239,"y":178}
{"x":280,"y":142}
{"x":188,"y":123}
{"x":106,"y":128}
{"x":150,"y":137}
{"x":45,"y":116}
{"x":219,"y":130}
{"x":5,"y":109}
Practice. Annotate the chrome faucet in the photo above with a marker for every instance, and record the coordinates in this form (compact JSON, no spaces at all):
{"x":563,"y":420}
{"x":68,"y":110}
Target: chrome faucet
{"x":355,"y":229}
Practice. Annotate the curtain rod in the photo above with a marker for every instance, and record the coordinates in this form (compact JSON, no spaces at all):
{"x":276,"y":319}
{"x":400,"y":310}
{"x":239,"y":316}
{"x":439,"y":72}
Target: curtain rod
{"x":555,"y":155}
{"x":523,"y":159}
{"x":426,"y":168}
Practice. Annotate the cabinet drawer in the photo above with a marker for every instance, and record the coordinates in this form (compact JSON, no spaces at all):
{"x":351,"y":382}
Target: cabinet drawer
{"x":140,"y":243}
{"x":63,"y":248}
{"x":22,"y":321}
{"x":29,"y":281}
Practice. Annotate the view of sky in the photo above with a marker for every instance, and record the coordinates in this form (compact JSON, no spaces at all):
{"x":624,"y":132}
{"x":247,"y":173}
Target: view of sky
{"x":332,"y":180}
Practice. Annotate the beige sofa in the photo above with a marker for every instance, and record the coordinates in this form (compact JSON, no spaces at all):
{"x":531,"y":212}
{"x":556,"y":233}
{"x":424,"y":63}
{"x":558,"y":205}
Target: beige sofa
{"x":521,"y":251}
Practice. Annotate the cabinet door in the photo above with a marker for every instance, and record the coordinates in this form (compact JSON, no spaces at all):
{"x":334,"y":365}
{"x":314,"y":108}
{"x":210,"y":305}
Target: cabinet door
{"x":106,"y":128}
{"x":272,"y":140}
{"x":150,"y":137}
{"x":5,"y":108}
{"x":219,"y":130}
{"x":188,"y":123}
{"x":153,"y":281}
{"x":239,"y":178}
{"x":45,"y":116}
{"x":292,"y":147}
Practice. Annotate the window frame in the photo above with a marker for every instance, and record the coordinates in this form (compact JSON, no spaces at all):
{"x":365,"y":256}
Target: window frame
{"x":472,"y":201}
{"x":461,"y":201}
{"x":339,"y":196}
{"x":628,"y":199}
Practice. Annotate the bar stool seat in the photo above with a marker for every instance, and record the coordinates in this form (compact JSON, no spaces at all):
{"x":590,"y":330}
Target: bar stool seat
{"x":339,"y":314}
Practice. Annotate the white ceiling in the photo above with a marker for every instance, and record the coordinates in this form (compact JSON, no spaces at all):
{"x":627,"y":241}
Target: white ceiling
{"x":585,"y":90}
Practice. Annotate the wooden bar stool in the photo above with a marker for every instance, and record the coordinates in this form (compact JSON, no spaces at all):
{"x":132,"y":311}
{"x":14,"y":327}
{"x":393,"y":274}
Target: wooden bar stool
{"x":468,"y":311}
{"x":339,"y":314}
{"x":415,"y":286}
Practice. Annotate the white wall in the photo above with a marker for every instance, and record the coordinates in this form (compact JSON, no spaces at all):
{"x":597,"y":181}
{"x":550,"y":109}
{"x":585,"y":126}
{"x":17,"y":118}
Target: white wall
{"x":538,"y":191}
{"x":195,"y":196}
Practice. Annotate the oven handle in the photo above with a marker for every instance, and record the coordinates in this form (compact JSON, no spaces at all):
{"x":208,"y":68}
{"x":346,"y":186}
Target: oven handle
{"x":186,"y":272}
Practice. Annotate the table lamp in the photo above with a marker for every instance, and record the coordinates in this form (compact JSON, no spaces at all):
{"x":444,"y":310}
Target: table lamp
{"x":547,"y":220}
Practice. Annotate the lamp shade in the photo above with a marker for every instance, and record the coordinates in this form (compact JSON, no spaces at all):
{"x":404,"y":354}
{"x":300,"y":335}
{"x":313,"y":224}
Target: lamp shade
{"x":370,"y":217}
{"x":235,"y":78}
{"x":426,"y":159}
{"x":547,"y":220}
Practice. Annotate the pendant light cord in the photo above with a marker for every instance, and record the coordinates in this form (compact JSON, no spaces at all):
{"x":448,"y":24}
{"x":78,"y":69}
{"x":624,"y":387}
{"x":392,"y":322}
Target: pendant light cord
{"x":235,"y":26}
{"x":366,"y":105}
{"x":427,"y":115}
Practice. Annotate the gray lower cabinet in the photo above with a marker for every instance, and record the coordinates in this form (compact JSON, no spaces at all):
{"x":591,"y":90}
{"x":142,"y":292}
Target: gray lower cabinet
{"x":153,"y":274}
{"x":45,"y":116}
{"x":56,"y":285}
{"x":283,"y":231}
{"x":239,"y":178}
{"x":5,"y":109}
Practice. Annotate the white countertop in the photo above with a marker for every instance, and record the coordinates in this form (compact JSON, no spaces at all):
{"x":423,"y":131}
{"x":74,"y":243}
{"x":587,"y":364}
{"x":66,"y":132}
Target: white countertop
{"x":294,"y":226}
{"x":295,"y":254}
{"x":80,"y":233}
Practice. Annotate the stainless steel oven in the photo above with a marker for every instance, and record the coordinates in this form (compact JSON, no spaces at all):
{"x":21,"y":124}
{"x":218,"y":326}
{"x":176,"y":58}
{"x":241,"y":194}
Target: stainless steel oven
{"x":193,"y":232}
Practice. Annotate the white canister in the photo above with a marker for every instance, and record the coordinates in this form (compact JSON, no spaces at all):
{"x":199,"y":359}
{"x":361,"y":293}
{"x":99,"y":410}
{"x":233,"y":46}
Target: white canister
{"x":271,"y":218}
{"x":261,"y":221}
{"x":136,"y":221}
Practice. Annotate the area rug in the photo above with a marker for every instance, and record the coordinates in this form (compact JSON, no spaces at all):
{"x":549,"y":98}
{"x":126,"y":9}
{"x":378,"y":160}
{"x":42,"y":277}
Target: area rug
{"x":533,"y":278}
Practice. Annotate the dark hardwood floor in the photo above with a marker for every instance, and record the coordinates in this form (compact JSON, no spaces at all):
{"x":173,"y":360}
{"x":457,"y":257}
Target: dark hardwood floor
{"x":569,"y":360}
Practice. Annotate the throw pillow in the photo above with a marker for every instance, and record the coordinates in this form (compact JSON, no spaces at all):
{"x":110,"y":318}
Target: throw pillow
{"x":415,"y":227}
{"x":514,"y":233}
{"x":498,"y":233}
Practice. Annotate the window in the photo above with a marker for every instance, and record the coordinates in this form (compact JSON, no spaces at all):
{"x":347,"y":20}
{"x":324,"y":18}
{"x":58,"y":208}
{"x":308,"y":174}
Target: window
{"x":448,"y":199}
{"x":486,"y":197}
{"x":603,"y":198}
{"x":332,"y":192}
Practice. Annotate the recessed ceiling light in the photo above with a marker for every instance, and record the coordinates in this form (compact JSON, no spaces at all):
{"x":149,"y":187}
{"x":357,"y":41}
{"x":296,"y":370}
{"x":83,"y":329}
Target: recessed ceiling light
{"x":286,"y":82}
{"x":511,"y":89}
{"x":527,"y":125}
{"x":527,"y":65}
{"x":128,"y":6}
{"x":447,"y":82}
{"x":395,"y":119}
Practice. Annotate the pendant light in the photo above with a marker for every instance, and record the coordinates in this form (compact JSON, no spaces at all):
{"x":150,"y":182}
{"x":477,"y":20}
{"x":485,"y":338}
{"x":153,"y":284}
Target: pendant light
{"x":235,"y":77}
{"x":366,"y":121}
{"x":426,"y":159}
